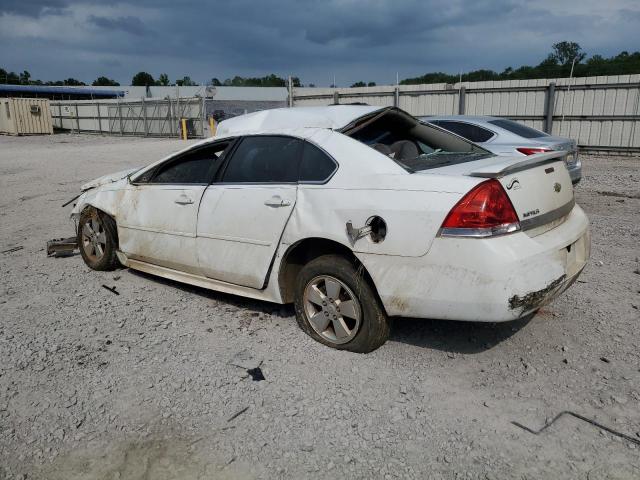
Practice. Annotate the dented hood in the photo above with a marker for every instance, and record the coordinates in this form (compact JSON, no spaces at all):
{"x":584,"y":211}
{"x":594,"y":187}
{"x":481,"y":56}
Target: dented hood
{"x":109,"y":178}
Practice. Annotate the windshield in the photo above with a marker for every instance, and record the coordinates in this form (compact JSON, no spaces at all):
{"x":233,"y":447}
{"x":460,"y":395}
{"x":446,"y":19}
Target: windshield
{"x":413,"y":145}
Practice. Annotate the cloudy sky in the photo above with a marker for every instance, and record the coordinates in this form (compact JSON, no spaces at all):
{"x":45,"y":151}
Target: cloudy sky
{"x":312,"y":39}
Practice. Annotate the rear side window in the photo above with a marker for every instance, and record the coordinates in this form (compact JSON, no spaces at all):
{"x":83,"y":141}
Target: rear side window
{"x":467,"y":130}
{"x":316,"y":166}
{"x":264,"y":159}
{"x":518,"y":128}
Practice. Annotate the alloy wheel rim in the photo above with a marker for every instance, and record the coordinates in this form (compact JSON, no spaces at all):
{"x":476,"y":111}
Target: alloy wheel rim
{"x":332,"y":309}
{"x":94,"y":239}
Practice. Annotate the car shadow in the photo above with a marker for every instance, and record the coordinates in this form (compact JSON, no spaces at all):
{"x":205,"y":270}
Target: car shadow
{"x":454,"y":336}
{"x":445,"y":335}
{"x":227,"y":298}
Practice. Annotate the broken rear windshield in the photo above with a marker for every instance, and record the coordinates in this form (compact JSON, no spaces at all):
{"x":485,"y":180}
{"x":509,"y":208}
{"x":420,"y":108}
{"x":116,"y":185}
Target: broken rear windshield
{"x":411,"y":144}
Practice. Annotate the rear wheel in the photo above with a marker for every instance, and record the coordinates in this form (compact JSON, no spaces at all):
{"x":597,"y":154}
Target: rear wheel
{"x":337,"y":306}
{"x":97,"y":240}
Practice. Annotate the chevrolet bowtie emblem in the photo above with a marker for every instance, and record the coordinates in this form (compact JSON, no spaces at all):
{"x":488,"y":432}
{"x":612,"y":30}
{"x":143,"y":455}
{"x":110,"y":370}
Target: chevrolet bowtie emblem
{"x":557,"y":187}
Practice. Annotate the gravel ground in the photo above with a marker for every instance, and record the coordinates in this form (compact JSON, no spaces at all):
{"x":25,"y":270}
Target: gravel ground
{"x":147,"y":384}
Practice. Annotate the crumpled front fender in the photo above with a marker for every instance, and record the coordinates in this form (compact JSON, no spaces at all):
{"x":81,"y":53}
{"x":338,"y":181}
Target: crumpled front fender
{"x":106,"y":199}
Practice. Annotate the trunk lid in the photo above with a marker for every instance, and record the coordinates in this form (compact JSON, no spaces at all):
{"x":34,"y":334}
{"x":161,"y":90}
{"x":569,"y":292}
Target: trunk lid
{"x":539,"y":188}
{"x":561,"y":143}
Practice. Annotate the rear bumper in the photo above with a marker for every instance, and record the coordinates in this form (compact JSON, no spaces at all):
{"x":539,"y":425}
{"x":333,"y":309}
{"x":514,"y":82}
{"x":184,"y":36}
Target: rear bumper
{"x":491,"y":280}
{"x":575,"y":171}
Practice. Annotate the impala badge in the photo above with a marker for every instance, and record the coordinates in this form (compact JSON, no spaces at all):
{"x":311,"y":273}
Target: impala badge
{"x":513,"y":184}
{"x":557,"y":187}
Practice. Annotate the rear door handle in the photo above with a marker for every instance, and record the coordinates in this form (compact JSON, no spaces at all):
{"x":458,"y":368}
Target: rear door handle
{"x":183,"y":200}
{"x":277,"y":201}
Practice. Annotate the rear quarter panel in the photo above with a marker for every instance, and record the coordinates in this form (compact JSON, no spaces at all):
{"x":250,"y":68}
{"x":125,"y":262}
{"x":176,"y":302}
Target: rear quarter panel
{"x":412,"y":217}
{"x":368,"y":183}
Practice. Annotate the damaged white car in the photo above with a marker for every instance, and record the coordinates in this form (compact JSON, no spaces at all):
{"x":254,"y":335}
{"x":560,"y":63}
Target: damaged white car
{"x":354,"y":213}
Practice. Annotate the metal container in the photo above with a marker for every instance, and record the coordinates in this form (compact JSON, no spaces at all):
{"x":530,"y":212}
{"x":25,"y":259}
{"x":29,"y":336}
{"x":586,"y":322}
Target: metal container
{"x":25,"y":116}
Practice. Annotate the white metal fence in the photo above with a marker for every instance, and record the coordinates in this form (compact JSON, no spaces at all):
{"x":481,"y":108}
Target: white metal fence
{"x":159,"y":118}
{"x":601,"y":113}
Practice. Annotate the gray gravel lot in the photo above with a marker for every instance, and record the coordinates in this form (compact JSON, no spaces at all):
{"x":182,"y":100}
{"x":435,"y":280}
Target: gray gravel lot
{"x":145,"y":384}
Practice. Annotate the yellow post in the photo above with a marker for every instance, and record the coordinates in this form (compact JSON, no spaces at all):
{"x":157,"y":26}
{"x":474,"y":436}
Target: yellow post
{"x":212,"y":126}
{"x":184,"y":128}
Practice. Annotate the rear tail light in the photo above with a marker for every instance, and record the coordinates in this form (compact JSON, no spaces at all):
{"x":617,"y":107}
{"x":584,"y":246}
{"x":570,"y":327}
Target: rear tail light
{"x":532,"y":150}
{"x":485,"y":211}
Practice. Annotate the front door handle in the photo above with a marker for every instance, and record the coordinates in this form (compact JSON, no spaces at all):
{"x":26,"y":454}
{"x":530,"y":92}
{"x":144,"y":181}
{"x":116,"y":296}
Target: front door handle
{"x":277,"y":201}
{"x":183,"y":200}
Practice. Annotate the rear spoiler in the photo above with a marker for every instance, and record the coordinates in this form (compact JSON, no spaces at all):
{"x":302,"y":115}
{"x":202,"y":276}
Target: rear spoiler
{"x":502,"y":169}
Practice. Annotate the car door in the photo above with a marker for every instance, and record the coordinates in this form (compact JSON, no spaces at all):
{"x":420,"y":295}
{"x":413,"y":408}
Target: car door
{"x":243,"y":214}
{"x":157,"y":223}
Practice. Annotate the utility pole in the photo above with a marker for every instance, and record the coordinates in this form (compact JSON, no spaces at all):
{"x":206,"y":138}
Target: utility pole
{"x":568,"y":90}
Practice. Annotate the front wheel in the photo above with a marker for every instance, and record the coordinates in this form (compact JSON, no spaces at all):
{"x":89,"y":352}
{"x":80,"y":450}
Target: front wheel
{"x":337,"y":306}
{"x":97,"y":240}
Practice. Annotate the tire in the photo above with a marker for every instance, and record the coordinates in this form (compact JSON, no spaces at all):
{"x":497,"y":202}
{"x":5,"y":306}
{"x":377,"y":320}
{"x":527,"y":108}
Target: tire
{"x":98,"y":240}
{"x":356,"y":312}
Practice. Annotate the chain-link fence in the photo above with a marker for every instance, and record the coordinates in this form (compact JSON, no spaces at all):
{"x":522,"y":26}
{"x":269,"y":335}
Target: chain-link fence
{"x":144,"y":117}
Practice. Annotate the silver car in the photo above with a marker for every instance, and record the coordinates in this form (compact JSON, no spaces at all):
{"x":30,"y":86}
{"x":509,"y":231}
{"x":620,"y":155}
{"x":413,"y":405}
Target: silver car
{"x":507,"y":137}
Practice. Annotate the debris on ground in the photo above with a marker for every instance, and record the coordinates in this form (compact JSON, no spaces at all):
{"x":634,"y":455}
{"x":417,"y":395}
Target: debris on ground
{"x":256,"y":374}
{"x":237,"y":414}
{"x":62,"y":247}
{"x":14,"y":249}
{"x":584,"y":419}
{"x":111,"y":289}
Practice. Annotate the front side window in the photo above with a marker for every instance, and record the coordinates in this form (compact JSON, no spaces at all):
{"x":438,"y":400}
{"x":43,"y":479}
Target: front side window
{"x":467,"y":130}
{"x":193,"y":167}
{"x":265,"y":159}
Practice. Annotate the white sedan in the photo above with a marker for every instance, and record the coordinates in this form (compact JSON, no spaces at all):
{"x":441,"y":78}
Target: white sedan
{"x":354,"y":213}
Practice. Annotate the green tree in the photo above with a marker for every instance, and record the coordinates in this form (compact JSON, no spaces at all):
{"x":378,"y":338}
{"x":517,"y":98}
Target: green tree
{"x":24,"y":78}
{"x":186,"y":82}
{"x":72,"y":82}
{"x":358,"y":84}
{"x":565,"y":52}
{"x":142,"y":79}
{"x":11,"y":78}
{"x":435,"y":77}
{"x":215,"y":82}
{"x":163,"y":80}
{"x":266,"y":81}
{"x":105,"y":82}
{"x":371,"y":84}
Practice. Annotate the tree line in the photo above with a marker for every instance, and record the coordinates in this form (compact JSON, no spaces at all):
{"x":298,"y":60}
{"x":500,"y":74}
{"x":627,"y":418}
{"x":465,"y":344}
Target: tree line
{"x":145,"y":79}
{"x":564,"y":57}
{"x":558,"y":64}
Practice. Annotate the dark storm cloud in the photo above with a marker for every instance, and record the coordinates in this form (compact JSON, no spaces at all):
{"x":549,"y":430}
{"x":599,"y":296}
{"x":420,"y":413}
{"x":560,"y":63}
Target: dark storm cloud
{"x":353,"y":39}
{"x":32,"y":8}
{"x":128,"y":24}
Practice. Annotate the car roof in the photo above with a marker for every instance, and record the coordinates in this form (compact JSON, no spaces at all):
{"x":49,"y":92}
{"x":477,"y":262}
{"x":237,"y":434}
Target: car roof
{"x":331,"y":117}
{"x":470,"y":118}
